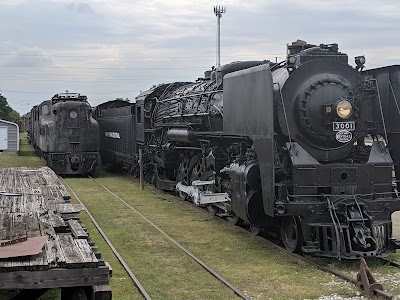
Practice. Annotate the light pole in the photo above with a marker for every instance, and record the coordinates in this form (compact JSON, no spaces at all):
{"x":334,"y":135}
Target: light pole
{"x":218,"y":11}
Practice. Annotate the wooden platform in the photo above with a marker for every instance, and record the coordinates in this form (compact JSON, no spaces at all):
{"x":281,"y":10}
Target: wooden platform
{"x":34,"y":203}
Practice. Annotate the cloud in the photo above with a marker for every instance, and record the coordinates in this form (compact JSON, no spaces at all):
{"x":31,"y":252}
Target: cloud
{"x":79,"y":7}
{"x":29,"y":57}
{"x":116,"y":48}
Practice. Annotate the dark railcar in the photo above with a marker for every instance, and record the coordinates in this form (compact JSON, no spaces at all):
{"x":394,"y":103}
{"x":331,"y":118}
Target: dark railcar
{"x":64,"y":133}
{"x":117,"y":120}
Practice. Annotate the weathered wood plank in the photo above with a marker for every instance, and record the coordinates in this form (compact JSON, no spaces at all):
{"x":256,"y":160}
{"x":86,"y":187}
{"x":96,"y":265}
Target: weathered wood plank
{"x":39,"y":262}
{"x":110,"y":272}
{"x":40,"y":210}
{"x":86,"y":252}
{"x":32,"y":224}
{"x":73,"y":216}
{"x":58,"y":223}
{"x":101,"y":292}
{"x":54,"y":255}
{"x":53,"y":278}
{"x":73,"y":257}
{"x":77,"y":230}
{"x":19,"y":227}
{"x":3,"y":229}
{"x":68,"y":208}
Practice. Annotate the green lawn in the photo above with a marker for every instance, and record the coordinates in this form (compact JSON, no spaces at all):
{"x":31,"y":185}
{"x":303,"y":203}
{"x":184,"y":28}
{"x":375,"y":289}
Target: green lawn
{"x":250,"y":264}
{"x":26,"y":156}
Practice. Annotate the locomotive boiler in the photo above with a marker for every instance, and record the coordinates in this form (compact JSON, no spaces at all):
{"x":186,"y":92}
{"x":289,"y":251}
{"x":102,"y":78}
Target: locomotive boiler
{"x":297,"y":148}
{"x":64,"y":133}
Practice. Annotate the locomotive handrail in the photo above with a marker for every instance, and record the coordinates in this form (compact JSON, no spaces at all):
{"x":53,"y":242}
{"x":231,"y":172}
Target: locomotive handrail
{"x":336,"y":224}
{"x":381,"y":110}
{"x":394,"y":96}
{"x":284,"y":112}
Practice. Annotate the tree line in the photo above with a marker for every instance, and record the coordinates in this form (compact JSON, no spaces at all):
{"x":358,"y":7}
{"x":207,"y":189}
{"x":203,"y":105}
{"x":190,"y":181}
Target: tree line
{"x":7,"y":113}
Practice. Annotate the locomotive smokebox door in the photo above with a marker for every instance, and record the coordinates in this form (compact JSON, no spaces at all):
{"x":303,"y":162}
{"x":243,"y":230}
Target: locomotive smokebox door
{"x":249,"y":111}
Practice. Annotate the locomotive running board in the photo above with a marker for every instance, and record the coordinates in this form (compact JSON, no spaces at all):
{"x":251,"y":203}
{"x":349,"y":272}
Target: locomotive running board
{"x":201,"y":197}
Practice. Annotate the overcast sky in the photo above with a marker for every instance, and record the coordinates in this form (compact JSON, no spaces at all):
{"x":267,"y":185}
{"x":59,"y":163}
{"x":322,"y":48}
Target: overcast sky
{"x":108,"y":49}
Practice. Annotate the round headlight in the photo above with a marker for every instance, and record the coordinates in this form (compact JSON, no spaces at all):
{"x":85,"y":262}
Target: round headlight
{"x":344,"y":109}
{"x":291,"y":60}
{"x":73,"y":114}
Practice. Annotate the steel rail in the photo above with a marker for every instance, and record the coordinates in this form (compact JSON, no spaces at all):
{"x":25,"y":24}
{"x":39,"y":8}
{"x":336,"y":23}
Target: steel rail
{"x":390,"y":262}
{"x":200,"y":262}
{"x":114,"y":250}
{"x":378,"y":293}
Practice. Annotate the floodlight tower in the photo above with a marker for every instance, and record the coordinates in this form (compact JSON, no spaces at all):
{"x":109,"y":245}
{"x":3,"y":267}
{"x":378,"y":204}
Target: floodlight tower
{"x":218,"y":11}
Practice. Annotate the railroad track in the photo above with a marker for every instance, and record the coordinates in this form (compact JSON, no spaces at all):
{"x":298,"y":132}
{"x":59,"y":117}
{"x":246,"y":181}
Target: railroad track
{"x":371,"y":288}
{"x":365,"y":280}
{"x":140,"y":287}
{"x":136,"y":281}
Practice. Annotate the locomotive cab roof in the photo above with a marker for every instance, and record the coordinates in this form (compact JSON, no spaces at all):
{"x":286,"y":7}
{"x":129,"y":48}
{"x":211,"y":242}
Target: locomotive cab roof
{"x":68,"y":97}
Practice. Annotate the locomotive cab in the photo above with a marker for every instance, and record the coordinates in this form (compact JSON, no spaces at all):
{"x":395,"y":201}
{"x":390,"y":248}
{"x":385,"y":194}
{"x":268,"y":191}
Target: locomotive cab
{"x":66,"y":135}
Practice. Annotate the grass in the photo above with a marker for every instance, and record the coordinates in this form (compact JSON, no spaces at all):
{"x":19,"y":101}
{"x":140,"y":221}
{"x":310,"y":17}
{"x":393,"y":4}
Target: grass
{"x":25,"y":158}
{"x":250,"y":264}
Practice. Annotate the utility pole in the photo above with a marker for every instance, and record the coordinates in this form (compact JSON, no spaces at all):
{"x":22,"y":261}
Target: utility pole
{"x":218,"y":11}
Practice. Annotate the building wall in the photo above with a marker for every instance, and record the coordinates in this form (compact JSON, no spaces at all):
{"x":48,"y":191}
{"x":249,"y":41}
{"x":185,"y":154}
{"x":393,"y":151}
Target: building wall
{"x":13,"y":135}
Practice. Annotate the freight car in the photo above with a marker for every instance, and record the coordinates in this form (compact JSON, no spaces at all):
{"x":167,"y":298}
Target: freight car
{"x":63,"y":132}
{"x":304,"y":148}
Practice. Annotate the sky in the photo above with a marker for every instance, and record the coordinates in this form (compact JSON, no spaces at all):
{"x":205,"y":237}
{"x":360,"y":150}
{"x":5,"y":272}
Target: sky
{"x":109,"y":49}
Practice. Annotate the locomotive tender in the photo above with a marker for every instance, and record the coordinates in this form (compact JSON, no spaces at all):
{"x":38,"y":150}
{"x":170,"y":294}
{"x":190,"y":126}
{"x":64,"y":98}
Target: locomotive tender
{"x":302,"y":148}
{"x":63,"y":132}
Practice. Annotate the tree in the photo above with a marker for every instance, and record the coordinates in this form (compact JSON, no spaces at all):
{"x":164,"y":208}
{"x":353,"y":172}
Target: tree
{"x":6,"y":112}
{"x":13,"y":116}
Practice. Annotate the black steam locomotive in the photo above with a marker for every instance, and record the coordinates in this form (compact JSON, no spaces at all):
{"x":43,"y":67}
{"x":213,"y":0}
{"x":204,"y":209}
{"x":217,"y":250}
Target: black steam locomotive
{"x":63,"y":132}
{"x":305,"y":148}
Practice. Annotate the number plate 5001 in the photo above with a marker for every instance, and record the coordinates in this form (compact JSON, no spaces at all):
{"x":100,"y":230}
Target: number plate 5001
{"x":350,"y":126}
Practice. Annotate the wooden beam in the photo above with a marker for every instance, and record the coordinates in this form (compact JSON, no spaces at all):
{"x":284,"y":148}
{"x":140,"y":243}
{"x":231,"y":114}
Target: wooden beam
{"x":101,"y":292}
{"x":54,"y":278}
{"x":73,"y":293}
{"x":68,"y":208}
{"x":77,"y":230}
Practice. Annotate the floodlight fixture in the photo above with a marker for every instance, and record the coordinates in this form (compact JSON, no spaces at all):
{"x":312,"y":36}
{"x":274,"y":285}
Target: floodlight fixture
{"x":218,"y":11}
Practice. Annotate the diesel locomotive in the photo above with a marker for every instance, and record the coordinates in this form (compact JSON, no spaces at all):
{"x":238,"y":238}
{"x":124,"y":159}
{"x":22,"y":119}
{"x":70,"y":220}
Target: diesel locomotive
{"x":63,"y":132}
{"x":305,"y":148}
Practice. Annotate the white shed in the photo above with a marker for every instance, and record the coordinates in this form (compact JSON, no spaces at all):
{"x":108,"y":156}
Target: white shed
{"x":9,"y":136}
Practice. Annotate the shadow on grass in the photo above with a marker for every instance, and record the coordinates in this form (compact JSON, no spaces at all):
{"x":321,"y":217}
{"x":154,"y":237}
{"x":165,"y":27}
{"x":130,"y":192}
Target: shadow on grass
{"x":27,"y":153}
